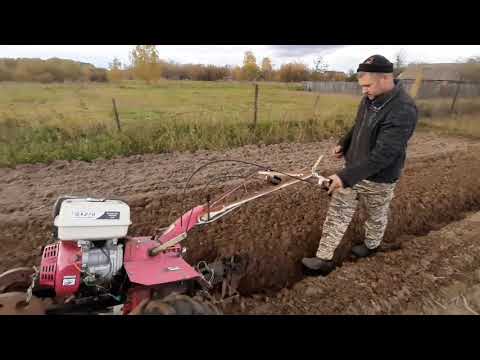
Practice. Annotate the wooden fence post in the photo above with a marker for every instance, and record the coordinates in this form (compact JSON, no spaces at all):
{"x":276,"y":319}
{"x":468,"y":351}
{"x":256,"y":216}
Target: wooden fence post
{"x":418,"y":84}
{"x":117,"y":119}
{"x":452,"y":108}
{"x":316,"y":103}
{"x":255,"y":108}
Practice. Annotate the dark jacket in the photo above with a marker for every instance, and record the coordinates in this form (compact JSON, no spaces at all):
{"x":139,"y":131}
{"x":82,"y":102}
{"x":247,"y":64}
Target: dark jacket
{"x":375,"y":148}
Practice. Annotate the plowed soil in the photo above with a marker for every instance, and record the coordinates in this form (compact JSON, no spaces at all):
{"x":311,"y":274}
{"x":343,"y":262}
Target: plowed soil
{"x":440,"y":185}
{"x":434,"y":274}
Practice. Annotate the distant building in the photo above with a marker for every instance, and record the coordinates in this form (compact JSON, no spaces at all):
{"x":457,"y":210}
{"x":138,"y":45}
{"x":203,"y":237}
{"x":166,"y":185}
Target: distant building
{"x":441,"y":80}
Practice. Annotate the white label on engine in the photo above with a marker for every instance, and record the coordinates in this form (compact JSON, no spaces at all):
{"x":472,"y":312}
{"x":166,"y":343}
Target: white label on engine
{"x":69,"y":280}
{"x":83,"y":214}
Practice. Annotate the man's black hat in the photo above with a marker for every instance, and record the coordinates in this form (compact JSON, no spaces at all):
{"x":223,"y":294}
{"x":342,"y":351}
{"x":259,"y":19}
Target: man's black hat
{"x":376,"y":64}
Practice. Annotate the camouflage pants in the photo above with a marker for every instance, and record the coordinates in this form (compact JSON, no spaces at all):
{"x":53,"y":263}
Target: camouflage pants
{"x":376,"y":197}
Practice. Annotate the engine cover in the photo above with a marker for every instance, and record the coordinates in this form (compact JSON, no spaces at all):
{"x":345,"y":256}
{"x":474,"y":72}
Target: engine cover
{"x":60,"y":267}
{"x":66,"y":265}
{"x":91,"y":219}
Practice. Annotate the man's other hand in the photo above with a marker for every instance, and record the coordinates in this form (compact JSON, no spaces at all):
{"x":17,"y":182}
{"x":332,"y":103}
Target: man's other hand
{"x":337,"y":151}
{"x":336,"y":184}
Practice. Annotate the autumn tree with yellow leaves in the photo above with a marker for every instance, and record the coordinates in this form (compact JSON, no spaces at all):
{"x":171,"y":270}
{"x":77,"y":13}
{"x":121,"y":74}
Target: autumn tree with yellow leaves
{"x":250,"y":70}
{"x":146,"y":64}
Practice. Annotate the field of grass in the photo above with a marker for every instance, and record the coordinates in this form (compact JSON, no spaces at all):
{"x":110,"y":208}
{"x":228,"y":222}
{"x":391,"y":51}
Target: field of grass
{"x":435,"y":108}
{"x":464,"y":125}
{"x":41,"y":123}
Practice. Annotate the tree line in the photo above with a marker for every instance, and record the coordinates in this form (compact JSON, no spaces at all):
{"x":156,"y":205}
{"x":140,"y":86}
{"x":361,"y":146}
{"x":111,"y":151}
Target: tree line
{"x":146,"y":64}
{"x":48,"y":71}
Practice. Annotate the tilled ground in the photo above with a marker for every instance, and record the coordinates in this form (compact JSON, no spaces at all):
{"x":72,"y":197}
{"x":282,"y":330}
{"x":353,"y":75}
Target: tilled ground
{"x":434,"y":274}
{"x":439,"y":185}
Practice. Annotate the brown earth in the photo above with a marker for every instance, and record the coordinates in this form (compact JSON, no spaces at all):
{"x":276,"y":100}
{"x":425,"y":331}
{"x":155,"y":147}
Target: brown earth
{"x":439,"y":185}
{"x":434,"y":274}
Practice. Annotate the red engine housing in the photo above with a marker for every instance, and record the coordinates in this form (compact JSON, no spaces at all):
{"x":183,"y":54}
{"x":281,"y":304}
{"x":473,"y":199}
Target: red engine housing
{"x":61,"y":264}
{"x":60,"y":267}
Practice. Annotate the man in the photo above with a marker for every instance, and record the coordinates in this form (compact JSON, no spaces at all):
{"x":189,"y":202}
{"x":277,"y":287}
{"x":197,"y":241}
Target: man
{"x":374,"y":151}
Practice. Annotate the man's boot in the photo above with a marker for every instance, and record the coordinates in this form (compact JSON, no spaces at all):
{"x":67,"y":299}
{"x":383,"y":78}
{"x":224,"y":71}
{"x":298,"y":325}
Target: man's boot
{"x":316,"y":264}
{"x":362,"y":251}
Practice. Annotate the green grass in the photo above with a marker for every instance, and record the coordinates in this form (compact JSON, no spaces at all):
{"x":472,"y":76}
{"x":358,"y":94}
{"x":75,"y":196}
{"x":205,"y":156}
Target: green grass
{"x":41,"y":123}
{"x":463,"y":125}
{"x":435,"y":108}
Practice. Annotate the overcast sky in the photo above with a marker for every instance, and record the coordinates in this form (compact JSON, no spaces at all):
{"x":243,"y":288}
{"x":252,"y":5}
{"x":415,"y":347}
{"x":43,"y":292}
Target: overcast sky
{"x":338,"y":57}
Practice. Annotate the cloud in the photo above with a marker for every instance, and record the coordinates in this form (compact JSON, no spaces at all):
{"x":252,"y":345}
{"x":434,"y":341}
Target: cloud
{"x":303,"y":50}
